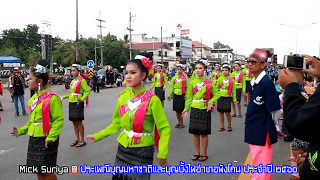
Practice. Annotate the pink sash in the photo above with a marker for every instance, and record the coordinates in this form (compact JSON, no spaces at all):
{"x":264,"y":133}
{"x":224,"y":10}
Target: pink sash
{"x":208,"y":84}
{"x":125,"y":85}
{"x":78,"y":85}
{"x":230,"y":85}
{"x":217,"y":75}
{"x":183,"y":84}
{"x":240,"y":77}
{"x":45,"y":110}
{"x":140,"y":114}
{"x":161,"y":79}
{"x":248,"y":73}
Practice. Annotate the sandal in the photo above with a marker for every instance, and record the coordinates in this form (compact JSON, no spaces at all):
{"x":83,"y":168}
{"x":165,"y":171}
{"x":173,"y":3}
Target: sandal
{"x":233,"y":115}
{"x":293,"y":177}
{"x":229,"y":128}
{"x":292,"y":159}
{"x":240,"y":116}
{"x":80,"y":144}
{"x":221,"y":129}
{"x":203,"y":158}
{"x":177,"y":125}
{"x":195,"y":157}
{"x":74,"y":143}
{"x":181,"y":126}
{"x":244,"y":105}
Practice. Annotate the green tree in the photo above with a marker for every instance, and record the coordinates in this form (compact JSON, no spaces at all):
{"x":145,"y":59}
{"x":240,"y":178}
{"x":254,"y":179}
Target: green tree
{"x":219,"y":45}
{"x":33,"y":57}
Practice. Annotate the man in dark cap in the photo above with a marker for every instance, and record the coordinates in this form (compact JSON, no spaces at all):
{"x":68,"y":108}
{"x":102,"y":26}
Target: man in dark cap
{"x":263,"y":112}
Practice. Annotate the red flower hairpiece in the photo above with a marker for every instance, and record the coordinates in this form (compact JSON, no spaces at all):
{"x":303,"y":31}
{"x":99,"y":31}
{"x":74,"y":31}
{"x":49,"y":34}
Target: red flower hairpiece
{"x":147,"y":63}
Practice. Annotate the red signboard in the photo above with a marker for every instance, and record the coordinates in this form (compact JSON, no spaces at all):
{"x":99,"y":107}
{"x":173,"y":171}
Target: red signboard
{"x":184,"y":31}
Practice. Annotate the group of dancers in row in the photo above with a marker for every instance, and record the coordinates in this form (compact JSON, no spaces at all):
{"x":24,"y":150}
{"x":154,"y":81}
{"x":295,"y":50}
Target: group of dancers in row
{"x":139,"y":112}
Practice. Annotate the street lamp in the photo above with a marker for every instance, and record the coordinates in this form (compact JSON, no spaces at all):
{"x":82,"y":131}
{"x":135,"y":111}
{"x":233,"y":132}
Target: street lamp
{"x":297,"y":27}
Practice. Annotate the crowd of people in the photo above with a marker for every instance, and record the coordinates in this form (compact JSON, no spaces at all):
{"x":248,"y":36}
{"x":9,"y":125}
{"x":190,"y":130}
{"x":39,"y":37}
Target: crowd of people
{"x":269,"y":94}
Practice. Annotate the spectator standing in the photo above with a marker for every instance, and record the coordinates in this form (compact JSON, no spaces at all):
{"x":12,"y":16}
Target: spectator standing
{"x":17,"y":81}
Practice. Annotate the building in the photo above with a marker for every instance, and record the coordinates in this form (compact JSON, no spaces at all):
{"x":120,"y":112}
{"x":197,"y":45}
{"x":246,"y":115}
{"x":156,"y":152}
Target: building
{"x":200,"y":50}
{"x":154,"y":48}
{"x":222,"y":55}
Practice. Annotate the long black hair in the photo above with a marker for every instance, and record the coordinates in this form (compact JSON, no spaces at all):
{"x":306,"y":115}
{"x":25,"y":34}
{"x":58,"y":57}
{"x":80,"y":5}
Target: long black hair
{"x":138,"y":62}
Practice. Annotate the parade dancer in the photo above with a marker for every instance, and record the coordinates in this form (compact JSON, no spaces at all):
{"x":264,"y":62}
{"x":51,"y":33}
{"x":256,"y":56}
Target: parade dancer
{"x":160,"y":81}
{"x":238,"y":76}
{"x":226,"y":93}
{"x":137,"y":112}
{"x":200,"y":91}
{"x":45,"y":122}
{"x":79,"y":91}
{"x":216,"y":74}
{"x":263,"y":112}
{"x":246,"y":85}
{"x":178,"y":88}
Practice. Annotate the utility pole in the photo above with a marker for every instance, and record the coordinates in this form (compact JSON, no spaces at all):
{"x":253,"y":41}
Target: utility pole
{"x":201,"y":48}
{"x":161,"y":47}
{"x":100,"y":26}
{"x":130,"y":29}
{"x":77,"y":33}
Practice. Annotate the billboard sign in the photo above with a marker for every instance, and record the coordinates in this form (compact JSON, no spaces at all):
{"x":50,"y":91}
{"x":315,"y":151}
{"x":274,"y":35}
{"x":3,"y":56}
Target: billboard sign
{"x":185,"y":47}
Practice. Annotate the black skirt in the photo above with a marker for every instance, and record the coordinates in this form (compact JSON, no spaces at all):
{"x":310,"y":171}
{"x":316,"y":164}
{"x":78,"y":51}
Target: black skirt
{"x":38,"y":155}
{"x":178,"y":103}
{"x":248,"y":86}
{"x":133,"y":157}
{"x":159,"y":92}
{"x":239,"y":93}
{"x":200,"y":121}
{"x":76,"y":111}
{"x":224,"y":104}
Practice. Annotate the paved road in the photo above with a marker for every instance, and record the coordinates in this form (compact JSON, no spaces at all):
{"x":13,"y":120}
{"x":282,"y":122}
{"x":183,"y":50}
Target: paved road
{"x":223,"y":147}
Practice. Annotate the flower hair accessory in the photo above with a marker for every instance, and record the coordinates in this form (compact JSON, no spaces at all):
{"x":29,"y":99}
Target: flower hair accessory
{"x":147,"y":63}
{"x":40,"y":69}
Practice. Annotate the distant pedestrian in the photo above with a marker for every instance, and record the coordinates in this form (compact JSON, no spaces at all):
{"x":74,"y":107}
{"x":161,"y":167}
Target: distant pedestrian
{"x":95,"y":82}
{"x":17,"y":81}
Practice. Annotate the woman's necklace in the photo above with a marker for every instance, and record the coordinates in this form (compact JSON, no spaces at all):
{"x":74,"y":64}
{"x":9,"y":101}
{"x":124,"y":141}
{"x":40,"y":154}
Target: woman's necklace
{"x":133,"y":104}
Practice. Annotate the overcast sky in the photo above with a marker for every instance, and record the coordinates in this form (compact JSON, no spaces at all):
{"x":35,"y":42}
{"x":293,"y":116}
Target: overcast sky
{"x":242,"y":24}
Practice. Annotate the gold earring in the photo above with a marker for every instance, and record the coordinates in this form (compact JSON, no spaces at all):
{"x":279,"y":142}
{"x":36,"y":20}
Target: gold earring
{"x":39,"y":87}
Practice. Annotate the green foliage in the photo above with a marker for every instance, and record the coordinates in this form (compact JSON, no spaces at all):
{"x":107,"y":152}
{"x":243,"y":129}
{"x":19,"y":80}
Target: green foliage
{"x":219,"y":45}
{"x":26,"y":44}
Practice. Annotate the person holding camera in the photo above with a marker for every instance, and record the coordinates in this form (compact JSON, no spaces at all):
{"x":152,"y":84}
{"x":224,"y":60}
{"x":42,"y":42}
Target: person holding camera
{"x":17,"y":81}
{"x":301,"y":117}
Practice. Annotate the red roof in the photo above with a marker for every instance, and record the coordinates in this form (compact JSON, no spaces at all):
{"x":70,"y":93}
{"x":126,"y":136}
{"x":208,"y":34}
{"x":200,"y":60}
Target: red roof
{"x":197,"y":44}
{"x":155,"y":45}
